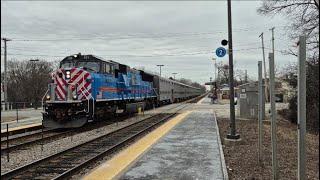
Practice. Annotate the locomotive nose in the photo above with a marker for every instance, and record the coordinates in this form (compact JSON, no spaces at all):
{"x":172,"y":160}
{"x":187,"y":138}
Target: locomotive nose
{"x":72,"y":84}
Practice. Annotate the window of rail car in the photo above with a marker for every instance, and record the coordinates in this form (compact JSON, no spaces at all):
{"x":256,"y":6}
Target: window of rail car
{"x":67,"y":64}
{"x":92,"y":66}
{"x":107,"y":68}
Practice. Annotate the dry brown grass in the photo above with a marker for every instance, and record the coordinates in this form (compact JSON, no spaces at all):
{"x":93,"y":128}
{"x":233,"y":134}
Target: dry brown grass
{"x":242,"y":157}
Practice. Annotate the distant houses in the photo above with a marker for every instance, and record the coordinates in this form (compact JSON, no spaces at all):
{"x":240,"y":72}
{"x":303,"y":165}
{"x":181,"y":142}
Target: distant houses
{"x":283,"y":91}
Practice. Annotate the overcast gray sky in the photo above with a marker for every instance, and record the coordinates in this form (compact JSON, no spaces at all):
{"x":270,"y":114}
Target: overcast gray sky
{"x":181,"y":35}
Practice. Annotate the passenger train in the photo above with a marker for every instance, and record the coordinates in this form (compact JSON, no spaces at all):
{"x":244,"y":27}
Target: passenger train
{"x":86,"y":88}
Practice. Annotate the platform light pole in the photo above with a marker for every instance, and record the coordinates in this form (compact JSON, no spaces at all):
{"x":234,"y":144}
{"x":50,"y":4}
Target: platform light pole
{"x":160,"y":65}
{"x":215,"y":68}
{"x":5,"y":85}
{"x":233,"y":134}
{"x":215,"y":76}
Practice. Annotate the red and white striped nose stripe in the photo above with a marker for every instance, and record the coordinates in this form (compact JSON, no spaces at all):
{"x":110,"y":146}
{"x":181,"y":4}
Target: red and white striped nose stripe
{"x":61,"y":84}
{"x":78,"y":77}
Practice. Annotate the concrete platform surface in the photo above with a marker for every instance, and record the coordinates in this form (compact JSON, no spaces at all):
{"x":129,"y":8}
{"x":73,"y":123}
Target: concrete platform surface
{"x":191,"y":150}
{"x":26,"y":117}
{"x":21,"y":123}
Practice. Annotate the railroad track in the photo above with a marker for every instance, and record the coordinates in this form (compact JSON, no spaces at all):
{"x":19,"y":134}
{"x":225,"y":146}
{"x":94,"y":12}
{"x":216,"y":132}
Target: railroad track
{"x":48,"y":135}
{"x":21,"y":131}
{"x":30,"y":139}
{"x":64,"y":164}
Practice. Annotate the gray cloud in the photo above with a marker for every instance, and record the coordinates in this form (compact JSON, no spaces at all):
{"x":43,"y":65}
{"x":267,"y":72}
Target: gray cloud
{"x":142,"y":33}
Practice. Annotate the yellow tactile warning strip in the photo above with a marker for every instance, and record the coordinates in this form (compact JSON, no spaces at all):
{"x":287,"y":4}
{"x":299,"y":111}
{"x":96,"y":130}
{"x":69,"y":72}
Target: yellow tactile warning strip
{"x":121,"y":161}
{"x":200,"y":102}
{"x":21,"y":127}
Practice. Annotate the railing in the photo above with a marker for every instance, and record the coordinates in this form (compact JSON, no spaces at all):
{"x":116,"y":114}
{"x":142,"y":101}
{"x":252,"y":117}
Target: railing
{"x":10,"y":111}
{"x":42,"y":100}
{"x":87,"y":98}
{"x":154,"y":89}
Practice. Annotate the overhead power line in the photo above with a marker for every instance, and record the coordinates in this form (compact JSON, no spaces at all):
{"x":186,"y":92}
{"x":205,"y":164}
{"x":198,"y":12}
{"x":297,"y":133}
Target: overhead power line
{"x":182,"y":53}
{"x":135,"y":36}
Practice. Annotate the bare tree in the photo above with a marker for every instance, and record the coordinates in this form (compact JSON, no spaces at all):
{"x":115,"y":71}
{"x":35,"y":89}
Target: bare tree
{"x":304,"y":17}
{"x":240,"y":76}
{"x":223,"y":73}
{"x":55,"y":64}
{"x":189,"y":82}
{"x":27,"y":81}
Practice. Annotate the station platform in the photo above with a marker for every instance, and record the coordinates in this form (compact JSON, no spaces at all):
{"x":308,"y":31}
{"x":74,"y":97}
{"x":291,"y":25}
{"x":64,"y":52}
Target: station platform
{"x":21,"y":124}
{"x":26,"y":118}
{"x":186,"y":147}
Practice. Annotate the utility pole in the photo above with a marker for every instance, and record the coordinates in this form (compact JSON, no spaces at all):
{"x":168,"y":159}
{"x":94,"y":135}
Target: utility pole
{"x":211,"y":83}
{"x":174,"y":75}
{"x":215,"y":68}
{"x":219,"y":70}
{"x":233,"y":134}
{"x":5,"y":85}
{"x":260,"y":112}
{"x":265,"y":70}
{"x":273,"y":119}
{"x":160,"y":65}
{"x":272,"y":30}
{"x":302,"y":109}
{"x":246,"y":76}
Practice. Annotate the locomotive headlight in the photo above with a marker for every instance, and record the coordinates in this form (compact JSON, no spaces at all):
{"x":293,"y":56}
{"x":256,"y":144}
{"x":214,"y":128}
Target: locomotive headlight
{"x":48,"y":97}
{"x":68,"y":74}
{"x":75,"y":97}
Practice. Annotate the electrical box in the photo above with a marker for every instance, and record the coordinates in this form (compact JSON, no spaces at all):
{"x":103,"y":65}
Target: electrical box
{"x":248,"y":100}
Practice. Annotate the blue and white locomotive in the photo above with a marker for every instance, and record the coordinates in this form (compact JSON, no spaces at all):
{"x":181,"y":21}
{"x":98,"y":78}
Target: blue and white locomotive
{"x":87,"y":88}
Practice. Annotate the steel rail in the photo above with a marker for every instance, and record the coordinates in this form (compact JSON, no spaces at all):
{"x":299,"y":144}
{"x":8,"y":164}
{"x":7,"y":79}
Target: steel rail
{"x":56,"y":135}
{"x":31,"y":166}
{"x":70,"y":170}
{"x":21,"y":131}
{"x":34,"y":140}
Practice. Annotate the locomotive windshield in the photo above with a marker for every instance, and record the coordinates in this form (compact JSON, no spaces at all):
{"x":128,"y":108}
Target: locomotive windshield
{"x":91,"y":66}
{"x":67,"y":64}
{"x":88,"y":65}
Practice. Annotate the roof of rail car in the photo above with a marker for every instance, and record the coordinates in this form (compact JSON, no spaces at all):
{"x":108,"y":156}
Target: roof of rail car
{"x":89,"y":57}
{"x":80,"y":57}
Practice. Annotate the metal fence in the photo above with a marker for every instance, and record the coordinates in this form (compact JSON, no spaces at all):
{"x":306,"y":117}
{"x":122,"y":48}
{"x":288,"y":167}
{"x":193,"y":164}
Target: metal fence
{"x":19,"y":105}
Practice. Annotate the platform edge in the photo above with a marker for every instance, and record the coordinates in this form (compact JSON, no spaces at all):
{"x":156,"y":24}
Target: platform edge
{"x":223,"y":162}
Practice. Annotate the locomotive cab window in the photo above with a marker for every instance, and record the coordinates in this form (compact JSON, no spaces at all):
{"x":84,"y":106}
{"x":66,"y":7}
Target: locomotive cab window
{"x":67,"y":64}
{"x":89,"y":66}
{"x":107,"y":68}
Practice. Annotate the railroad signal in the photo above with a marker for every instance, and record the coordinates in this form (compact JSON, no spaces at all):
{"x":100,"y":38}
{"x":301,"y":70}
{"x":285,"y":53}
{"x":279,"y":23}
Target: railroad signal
{"x":224,"y":42}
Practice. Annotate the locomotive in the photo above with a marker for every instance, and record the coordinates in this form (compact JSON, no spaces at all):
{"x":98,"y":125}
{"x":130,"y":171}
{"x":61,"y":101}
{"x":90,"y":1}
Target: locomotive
{"x":86,"y":88}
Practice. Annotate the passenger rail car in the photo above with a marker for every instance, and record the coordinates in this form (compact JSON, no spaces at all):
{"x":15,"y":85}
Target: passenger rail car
{"x":86,"y":88}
